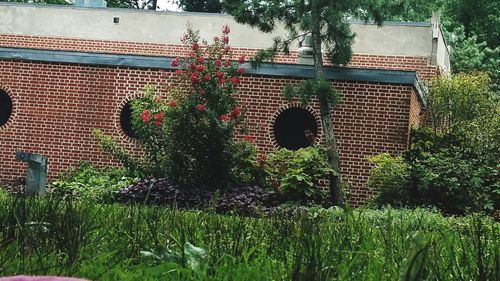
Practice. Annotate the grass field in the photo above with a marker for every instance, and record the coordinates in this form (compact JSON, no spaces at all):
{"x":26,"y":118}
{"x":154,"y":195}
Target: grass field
{"x":114,"y":242}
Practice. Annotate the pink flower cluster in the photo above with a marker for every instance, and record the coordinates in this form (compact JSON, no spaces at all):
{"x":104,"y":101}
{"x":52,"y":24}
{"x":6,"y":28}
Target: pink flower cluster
{"x":208,"y":67}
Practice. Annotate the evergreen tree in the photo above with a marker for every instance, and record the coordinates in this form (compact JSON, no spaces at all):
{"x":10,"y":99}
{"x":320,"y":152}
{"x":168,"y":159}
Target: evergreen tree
{"x":326,"y":21}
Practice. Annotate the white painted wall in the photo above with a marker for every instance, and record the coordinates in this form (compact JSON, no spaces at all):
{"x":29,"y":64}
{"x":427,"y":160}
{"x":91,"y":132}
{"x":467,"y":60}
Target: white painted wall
{"x":167,"y":27}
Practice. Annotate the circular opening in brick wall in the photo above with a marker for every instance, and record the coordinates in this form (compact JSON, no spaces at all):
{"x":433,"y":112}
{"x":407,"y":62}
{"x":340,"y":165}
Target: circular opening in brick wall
{"x":126,"y":120}
{"x":295,"y":128}
{"x":5,"y":107}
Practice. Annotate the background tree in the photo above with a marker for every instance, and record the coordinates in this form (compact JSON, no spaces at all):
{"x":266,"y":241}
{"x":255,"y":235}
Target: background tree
{"x":132,"y":4}
{"x":460,"y":100}
{"x":478,"y":17}
{"x":206,"y":6}
{"x":471,"y":29}
{"x":327,"y":23}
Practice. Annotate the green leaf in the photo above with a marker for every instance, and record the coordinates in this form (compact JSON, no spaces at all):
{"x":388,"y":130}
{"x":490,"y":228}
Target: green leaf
{"x":195,"y":256}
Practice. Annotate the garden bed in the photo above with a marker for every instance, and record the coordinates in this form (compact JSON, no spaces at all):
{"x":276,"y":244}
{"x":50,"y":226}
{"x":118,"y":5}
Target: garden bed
{"x":242,"y":200}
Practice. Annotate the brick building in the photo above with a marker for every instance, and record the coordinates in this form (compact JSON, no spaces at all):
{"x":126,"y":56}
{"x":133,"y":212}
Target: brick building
{"x":65,"y":71}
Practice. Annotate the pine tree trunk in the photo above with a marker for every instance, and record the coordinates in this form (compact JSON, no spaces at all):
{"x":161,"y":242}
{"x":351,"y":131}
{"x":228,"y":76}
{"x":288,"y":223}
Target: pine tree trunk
{"x":332,"y":152}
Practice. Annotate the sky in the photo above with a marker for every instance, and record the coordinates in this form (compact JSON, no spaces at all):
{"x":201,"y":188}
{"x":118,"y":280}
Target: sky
{"x":167,"y":5}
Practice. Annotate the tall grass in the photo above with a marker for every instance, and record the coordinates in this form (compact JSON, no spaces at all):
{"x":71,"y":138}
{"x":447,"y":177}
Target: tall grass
{"x":108,"y":242}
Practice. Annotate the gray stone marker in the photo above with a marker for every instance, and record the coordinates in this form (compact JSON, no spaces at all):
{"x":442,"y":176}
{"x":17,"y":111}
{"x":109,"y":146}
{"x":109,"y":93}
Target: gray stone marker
{"x":36,"y":179}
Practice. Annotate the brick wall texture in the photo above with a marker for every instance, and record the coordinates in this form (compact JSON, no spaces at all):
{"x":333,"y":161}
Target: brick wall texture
{"x":56,"y":106}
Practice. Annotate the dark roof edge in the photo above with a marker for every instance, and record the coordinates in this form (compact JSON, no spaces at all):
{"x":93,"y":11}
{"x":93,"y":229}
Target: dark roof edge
{"x":266,"y":69}
{"x":422,"y":93}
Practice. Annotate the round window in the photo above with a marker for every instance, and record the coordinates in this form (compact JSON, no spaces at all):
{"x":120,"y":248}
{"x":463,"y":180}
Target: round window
{"x":126,"y":120}
{"x":5,"y":107}
{"x":295,"y":128}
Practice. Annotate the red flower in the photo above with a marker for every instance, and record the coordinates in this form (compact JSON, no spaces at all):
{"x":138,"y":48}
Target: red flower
{"x":222,"y":80}
{"x":242,"y":59}
{"x":226,"y":29}
{"x":179,"y":72}
{"x":219,"y":74}
{"x":218,"y":63}
{"x":227,"y":63}
{"x":235,"y":112}
{"x":192,"y":66}
{"x":216,"y":39}
{"x":201,"y":107}
{"x":146,"y":115}
{"x":172,"y":103}
{"x":235,"y":80}
{"x":194,"y":78}
{"x":226,"y":39}
{"x":200,"y":68}
{"x":201,"y":60}
{"x":248,"y":138}
{"x":207,"y":77}
{"x":195,"y":46}
{"x":159,"y":116}
{"x":175,"y":62}
{"x":226,"y":50}
{"x":192,"y":55}
{"x":225,"y":118}
{"x":240,"y":70}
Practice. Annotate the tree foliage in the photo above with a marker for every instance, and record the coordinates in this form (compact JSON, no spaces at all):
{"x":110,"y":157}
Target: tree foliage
{"x":478,"y":17}
{"x":461,"y":98}
{"x":471,"y":29}
{"x":131,"y":4}
{"x":206,"y":6}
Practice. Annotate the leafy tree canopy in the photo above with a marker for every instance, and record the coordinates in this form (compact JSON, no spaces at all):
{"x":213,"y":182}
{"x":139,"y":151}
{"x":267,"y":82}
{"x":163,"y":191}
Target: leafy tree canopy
{"x":206,"y":6}
{"x":131,"y":4}
{"x":471,"y":28}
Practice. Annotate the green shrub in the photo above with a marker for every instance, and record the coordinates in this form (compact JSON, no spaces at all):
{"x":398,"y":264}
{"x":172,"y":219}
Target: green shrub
{"x":458,"y":99}
{"x":246,"y":169}
{"x":446,"y":170}
{"x":389,"y":179}
{"x":88,"y":182}
{"x":297,"y":174}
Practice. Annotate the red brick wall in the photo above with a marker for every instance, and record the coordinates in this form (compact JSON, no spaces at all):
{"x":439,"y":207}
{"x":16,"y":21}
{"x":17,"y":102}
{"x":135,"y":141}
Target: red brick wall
{"x":57,"y":105}
{"x":414,"y":63}
{"x":417,"y":116}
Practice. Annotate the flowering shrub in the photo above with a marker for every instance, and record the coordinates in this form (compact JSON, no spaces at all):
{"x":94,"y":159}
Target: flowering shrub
{"x":188,"y":136}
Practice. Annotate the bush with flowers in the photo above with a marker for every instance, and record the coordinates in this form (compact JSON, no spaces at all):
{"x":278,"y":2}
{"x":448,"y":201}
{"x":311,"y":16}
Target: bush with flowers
{"x":188,"y":137}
